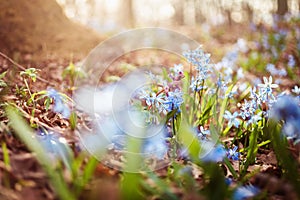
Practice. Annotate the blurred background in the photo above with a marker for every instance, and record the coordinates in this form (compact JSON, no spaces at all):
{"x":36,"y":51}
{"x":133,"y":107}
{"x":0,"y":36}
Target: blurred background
{"x":35,"y":30}
{"x":113,"y":15}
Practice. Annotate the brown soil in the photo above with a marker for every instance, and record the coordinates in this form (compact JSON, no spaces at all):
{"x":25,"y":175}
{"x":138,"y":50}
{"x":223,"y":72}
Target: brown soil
{"x":36,"y":30}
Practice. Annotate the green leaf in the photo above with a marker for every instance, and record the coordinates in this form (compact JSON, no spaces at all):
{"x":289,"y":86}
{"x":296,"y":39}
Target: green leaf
{"x":89,"y":169}
{"x":2,"y":84}
{"x":170,"y":115}
{"x":230,"y":167}
{"x":2,"y":75}
{"x":284,"y":157}
{"x":205,"y":115}
{"x":73,"y":120}
{"x":81,"y":180}
{"x":30,"y":73}
{"x":189,"y":139}
{"x":47,"y":103}
{"x":130,"y":186}
{"x":224,"y":105}
{"x":26,"y":134}
{"x":161,"y":187}
{"x":178,"y":121}
{"x":131,"y":179}
{"x":215,"y":182}
{"x":6,"y":158}
{"x":252,"y":150}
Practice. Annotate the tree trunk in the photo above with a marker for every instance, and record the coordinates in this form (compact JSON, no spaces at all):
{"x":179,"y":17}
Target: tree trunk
{"x":228,"y":15}
{"x":179,"y":12}
{"x":40,"y":28}
{"x":249,"y":11}
{"x":199,"y":15}
{"x":282,"y":7}
{"x":127,"y":13}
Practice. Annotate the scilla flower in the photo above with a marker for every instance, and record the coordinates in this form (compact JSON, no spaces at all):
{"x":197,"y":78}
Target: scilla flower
{"x":212,"y":153}
{"x":245,"y":192}
{"x":232,"y":118}
{"x":59,"y":104}
{"x":233,"y":154}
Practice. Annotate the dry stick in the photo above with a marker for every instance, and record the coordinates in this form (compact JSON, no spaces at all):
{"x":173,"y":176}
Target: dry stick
{"x":26,"y":115}
{"x":23,"y":68}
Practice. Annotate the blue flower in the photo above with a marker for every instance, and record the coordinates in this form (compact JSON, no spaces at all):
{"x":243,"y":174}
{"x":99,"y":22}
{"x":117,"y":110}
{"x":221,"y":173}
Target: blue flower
{"x":275,"y":72}
{"x":244,"y":192}
{"x":232,"y":118}
{"x":52,"y":93}
{"x":203,"y":134}
{"x":254,"y":118}
{"x":228,"y":181}
{"x":55,"y":145}
{"x":232,"y":154}
{"x":271,"y":68}
{"x":59,"y":105}
{"x":222,"y":85}
{"x":211,"y":153}
{"x":268,"y":85}
{"x":242,"y":45}
{"x":291,"y":61}
{"x":174,"y":100}
{"x":62,"y":108}
{"x":248,"y":109}
{"x":230,"y":58}
{"x":274,"y":52}
{"x":200,"y":61}
{"x":196,"y":85}
{"x":292,"y":129}
{"x":198,"y":58}
{"x":265,"y":42}
{"x":286,"y":108}
{"x":267,"y":88}
{"x":240,"y":73}
{"x":282,"y":72}
{"x":156,"y":145}
{"x":154,"y":100}
{"x":255,"y":96}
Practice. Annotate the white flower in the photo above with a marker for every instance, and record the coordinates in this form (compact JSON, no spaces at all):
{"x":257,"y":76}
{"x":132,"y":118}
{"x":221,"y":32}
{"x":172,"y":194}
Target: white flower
{"x":296,"y":90}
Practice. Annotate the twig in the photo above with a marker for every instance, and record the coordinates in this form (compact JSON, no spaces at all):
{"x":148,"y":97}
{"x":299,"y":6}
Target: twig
{"x":26,"y":115}
{"x":23,"y":68}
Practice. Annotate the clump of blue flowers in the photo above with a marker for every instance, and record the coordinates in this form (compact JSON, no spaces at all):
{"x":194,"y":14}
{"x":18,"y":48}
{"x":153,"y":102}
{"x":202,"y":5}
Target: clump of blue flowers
{"x":287,"y":109}
{"x":201,"y":64}
{"x":163,"y":96}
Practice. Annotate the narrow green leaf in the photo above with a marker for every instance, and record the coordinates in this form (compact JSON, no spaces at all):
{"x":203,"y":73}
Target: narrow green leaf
{"x":224,"y":105}
{"x":5,"y":155}
{"x":73,"y":120}
{"x":2,"y":75}
{"x":27,"y":136}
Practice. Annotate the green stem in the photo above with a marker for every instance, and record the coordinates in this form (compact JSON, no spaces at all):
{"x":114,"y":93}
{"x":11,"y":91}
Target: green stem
{"x":27,"y":86}
{"x":230,"y":167}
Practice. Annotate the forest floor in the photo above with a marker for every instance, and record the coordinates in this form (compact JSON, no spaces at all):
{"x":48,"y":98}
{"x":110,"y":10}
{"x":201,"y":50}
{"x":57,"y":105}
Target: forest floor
{"x":25,"y":179}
